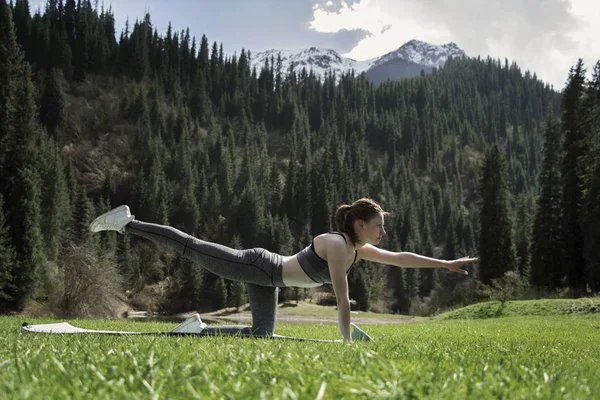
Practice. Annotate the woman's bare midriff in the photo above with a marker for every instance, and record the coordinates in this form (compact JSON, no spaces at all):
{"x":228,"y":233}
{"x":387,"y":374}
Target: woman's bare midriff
{"x":294,"y":275}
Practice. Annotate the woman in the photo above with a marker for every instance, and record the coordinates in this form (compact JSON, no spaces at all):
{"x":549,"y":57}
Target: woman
{"x":327,"y":260}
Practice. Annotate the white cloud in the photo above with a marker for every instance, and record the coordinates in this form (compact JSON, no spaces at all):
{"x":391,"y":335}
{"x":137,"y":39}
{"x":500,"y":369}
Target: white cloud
{"x":546,"y":37}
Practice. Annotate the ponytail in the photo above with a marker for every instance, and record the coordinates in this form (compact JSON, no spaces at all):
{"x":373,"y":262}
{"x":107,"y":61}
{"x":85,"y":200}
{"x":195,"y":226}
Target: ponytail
{"x":344,"y":222}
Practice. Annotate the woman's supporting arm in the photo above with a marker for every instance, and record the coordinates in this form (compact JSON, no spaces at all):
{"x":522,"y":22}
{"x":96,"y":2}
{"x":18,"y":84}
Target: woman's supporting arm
{"x":336,"y":258}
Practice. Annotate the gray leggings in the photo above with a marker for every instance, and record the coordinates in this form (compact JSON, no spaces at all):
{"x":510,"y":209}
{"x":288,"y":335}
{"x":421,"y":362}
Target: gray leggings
{"x":258,"y":268}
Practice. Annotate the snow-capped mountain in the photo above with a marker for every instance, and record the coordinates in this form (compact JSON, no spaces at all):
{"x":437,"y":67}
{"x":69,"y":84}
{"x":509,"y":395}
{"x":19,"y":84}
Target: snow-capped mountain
{"x":320,"y":60}
{"x":407,"y":60}
{"x":422,"y":53}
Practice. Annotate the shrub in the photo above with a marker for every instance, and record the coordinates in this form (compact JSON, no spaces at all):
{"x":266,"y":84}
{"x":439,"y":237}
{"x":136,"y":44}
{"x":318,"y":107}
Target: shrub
{"x":86,"y":286}
{"x":511,"y":286}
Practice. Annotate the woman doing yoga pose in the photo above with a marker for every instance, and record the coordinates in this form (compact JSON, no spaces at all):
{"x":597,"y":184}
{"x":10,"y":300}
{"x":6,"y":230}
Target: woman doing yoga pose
{"x":360,"y":227}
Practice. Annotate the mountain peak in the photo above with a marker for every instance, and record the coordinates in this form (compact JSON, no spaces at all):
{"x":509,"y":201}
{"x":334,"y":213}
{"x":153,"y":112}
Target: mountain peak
{"x":320,"y":60}
{"x":423,"y":53}
{"x":323,"y":61}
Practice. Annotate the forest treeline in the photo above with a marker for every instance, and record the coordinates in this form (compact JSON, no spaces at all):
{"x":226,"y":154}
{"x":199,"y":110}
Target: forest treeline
{"x":477,"y":158}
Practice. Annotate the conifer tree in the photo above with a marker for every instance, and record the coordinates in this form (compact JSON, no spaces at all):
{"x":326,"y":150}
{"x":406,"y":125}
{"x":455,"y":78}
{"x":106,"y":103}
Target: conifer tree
{"x":522,"y":237}
{"x":83,"y":216}
{"x":546,"y":238}
{"x":8,"y":259}
{"x":70,"y":21}
{"x":397,"y":279}
{"x":219,"y":291}
{"x":53,"y":104}
{"x":358,"y":283}
{"x":56,"y":206}
{"x":81,"y":43}
{"x":591,"y":202}
{"x":496,"y":249}
{"x":22,"y":21}
{"x":108,"y":239}
{"x":10,"y":62}
{"x":125,"y":260}
{"x":199,"y":100}
{"x":591,"y":215}
{"x":283,"y":236}
{"x":192,"y":280}
{"x":31,"y":275}
{"x":572,"y":177}
{"x":20,"y":163}
{"x":236,"y":294}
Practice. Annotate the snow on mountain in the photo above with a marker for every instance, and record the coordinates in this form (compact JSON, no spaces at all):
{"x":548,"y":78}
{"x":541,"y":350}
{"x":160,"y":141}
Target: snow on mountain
{"x":423,"y":53}
{"x":321,"y":60}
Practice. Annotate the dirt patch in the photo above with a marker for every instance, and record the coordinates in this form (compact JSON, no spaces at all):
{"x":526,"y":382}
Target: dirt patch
{"x":302,"y":319}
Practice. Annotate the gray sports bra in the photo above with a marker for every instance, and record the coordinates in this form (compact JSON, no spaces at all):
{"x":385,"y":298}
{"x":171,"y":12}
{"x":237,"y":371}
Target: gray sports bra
{"x":314,"y":266}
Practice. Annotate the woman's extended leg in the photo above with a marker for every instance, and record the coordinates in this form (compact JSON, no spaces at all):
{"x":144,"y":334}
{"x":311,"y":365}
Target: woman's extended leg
{"x":257,"y":266}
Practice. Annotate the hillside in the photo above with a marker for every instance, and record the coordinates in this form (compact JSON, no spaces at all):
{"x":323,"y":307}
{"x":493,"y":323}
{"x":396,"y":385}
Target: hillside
{"x":542,"y":308}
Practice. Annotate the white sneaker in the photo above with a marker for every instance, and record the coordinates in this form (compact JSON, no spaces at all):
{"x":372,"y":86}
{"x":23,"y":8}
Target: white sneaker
{"x":192,"y":325}
{"x":114,"y":220}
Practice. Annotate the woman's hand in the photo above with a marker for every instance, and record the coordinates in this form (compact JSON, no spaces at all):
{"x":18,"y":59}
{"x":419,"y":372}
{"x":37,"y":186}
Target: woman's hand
{"x":455,"y":265}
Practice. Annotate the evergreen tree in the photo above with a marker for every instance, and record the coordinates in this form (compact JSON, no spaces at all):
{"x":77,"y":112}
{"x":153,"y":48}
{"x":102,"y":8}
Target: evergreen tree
{"x":236,"y":294}
{"x":31,"y":275}
{"x":81,"y":43}
{"x":401,"y":303}
{"x":70,"y":21}
{"x":22,"y":21}
{"x":591,"y":202}
{"x":284,"y":239}
{"x":591,"y":215}
{"x":108,"y":239}
{"x":7,"y":262}
{"x":191,"y":277}
{"x":572,"y":177}
{"x":53,"y":104}
{"x":10,"y":63}
{"x":522,"y":237}
{"x":56,"y":206}
{"x":219,"y":293}
{"x":496,"y":250}
{"x":125,"y":259}
{"x":199,"y":100}
{"x":83,"y":216}
{"x":358,"y":282}
{"x":19,"y":164}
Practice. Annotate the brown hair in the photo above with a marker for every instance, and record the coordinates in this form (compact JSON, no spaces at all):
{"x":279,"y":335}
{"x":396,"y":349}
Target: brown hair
{"x":363,"y":209}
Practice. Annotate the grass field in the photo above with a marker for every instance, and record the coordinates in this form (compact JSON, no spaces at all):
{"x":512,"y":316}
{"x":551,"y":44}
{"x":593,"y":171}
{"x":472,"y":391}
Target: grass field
{"x":485,"y":358}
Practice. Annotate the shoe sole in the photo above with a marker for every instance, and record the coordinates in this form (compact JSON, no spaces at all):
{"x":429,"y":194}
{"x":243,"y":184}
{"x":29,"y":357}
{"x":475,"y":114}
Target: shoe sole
{"x":98,"y":226}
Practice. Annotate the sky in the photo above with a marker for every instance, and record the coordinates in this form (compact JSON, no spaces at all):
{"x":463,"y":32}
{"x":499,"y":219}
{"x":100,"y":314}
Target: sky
{"x":543,"y":36}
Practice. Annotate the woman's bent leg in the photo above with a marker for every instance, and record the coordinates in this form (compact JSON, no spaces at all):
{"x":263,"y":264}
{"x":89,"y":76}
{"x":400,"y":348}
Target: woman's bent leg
{"x":257,"y":266}
{"x":263,"y":305}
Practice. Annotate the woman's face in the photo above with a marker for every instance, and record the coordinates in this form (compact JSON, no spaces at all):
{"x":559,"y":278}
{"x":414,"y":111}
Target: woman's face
{"x":372,"y":231}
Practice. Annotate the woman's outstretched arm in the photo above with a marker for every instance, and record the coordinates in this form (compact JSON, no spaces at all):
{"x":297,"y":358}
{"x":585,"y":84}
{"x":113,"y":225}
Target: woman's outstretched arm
{"x":411,"y":260}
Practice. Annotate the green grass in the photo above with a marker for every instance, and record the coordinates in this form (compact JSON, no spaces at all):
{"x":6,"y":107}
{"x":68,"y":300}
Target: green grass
{"x":547,"y":307}
{"x":512,"y":358}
